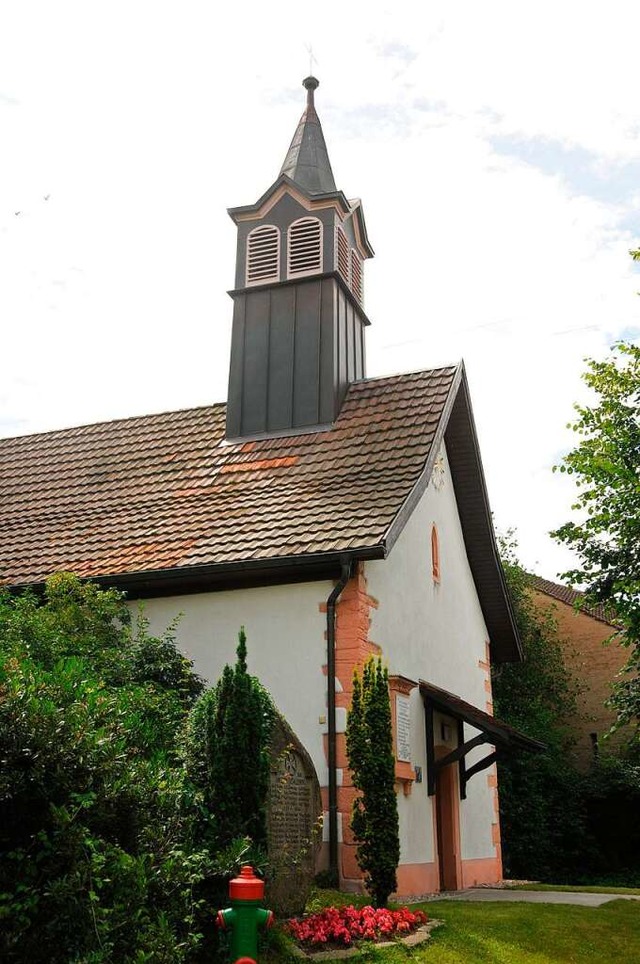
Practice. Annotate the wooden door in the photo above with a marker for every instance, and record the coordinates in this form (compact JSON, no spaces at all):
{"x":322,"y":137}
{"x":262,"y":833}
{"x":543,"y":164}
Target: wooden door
{"x":448,"y":827}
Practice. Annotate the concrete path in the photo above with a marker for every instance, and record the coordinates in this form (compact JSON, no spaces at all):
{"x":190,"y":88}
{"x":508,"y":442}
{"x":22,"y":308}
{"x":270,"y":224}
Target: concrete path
{"x":533,"y":896}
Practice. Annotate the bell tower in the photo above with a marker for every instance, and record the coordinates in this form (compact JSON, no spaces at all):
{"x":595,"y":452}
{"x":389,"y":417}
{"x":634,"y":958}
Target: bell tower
{"x":298,"y":318}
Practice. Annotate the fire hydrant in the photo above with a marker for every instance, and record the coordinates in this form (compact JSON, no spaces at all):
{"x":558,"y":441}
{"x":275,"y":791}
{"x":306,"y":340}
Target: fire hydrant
{"x":245,"y":917}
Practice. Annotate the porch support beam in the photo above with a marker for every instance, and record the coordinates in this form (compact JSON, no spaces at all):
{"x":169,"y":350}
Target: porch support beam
{"x":482,"y":764}
{"x":431,"y":761}
{"x":462,"y":764}
{"x":462,"y":750}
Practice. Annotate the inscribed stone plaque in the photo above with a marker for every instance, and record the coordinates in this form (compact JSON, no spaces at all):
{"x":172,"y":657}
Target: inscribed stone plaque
{"x":294,"y":809}
{"x":403,"y":729}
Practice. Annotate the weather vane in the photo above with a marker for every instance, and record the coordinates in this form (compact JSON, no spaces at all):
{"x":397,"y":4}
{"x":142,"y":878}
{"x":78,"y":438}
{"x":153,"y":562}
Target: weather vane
{"x":312,"y":59}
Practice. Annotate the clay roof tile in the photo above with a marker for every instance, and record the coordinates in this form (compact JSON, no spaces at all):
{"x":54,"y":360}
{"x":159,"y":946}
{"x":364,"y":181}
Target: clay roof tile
{"x":162,"y":491}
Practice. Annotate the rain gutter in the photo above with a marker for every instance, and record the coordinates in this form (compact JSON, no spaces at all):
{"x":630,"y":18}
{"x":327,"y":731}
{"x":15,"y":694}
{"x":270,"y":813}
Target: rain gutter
{"x":331,"y":713}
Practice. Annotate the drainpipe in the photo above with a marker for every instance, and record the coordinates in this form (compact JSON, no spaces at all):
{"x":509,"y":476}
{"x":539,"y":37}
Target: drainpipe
{"x":331,"y":713}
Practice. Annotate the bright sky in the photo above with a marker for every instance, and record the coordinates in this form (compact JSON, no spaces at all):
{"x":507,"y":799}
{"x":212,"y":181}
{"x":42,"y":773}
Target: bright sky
{"x":495,"y":145}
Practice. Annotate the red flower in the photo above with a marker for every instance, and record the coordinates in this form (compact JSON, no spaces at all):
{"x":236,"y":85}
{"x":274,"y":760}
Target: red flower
{"x":343,"y":925}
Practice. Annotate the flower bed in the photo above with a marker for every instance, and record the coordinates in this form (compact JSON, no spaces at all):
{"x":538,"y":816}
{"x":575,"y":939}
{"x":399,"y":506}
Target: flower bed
{"x":342,"y":926}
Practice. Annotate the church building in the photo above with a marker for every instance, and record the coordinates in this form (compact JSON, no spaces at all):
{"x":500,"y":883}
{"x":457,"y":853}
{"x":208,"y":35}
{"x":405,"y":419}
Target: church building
{"x":333,"y":515}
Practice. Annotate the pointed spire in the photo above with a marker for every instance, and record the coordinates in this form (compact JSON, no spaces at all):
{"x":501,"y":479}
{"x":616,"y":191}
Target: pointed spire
{"x":307,"y":161}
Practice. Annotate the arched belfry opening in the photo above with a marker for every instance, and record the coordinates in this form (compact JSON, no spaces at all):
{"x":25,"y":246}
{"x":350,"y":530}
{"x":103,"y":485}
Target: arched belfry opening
{"x":298,"y":337}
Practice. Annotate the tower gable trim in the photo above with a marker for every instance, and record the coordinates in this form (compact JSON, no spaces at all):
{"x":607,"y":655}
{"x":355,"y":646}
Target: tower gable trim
{"x":360,"y":229}
{"x":284,"y":185}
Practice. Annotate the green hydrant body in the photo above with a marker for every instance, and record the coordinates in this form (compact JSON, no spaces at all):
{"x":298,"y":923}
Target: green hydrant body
{"x":245,"y":917}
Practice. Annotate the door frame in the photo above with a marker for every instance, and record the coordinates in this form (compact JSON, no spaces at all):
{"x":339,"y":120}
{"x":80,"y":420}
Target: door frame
{"x":447,"y":820}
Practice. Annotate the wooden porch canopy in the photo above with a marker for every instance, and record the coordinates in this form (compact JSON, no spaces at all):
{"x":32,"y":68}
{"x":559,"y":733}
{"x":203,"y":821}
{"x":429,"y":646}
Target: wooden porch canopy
{"x":500,"y":736}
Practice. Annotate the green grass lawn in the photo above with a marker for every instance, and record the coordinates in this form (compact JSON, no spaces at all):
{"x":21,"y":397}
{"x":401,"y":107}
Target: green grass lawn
{"x":510,"y":933}
{"x":534,"y":933}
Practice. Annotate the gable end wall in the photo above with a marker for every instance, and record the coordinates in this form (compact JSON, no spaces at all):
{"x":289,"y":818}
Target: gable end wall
{"x":435,"y":631}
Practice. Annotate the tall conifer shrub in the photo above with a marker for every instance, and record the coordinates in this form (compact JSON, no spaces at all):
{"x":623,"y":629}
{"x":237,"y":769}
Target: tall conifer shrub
{"x":374,"y":817}
{"x":228,"y":751}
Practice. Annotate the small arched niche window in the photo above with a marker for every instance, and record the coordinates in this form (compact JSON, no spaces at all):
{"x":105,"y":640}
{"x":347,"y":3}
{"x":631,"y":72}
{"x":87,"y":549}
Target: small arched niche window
{"x":342,"y":253}
{"x":305,"y":247}
{"x":263,"y":254}
{"x":435,"y":554}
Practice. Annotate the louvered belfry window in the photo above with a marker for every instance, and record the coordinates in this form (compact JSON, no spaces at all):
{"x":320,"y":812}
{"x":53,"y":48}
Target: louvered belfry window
{"x":356,"y":275}
{"x":342,"y":253}
{"x":305,"y":247}
{"x":263,"y":255}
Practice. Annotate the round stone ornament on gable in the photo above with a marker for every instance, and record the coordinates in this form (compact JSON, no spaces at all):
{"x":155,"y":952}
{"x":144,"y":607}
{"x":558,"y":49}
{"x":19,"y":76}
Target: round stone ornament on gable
{"x":437,"y":474}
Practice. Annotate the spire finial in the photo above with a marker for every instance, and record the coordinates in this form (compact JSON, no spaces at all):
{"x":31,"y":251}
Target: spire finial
{"x":307,"y":161}
{"x":310,"y":84}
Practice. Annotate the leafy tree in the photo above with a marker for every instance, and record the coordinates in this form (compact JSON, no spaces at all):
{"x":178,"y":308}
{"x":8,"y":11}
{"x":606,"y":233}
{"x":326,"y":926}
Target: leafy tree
{"x":542,"y":809}
{"x":558,"y":824}
{"x":606,"y":535}
{"x":374,"y":818}
{"x":99,"y":846}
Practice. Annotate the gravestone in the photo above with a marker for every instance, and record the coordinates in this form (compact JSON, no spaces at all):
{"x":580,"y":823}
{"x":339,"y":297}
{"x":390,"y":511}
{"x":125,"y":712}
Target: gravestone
{"x":294,"y":831}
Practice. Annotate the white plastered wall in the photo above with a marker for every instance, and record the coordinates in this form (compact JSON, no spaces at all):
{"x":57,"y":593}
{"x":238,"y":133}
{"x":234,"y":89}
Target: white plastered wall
{"x":434,"y":632}
{"x":428,"y":631}
{"x":285,"y":643}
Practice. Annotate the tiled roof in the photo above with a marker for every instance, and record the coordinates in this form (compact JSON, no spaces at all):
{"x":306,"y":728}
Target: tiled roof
{"x":570,"y":596}
{"x":166,"y":491}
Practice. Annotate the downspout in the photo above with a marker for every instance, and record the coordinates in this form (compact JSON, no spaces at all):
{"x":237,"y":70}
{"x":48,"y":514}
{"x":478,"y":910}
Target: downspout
{"x":331,"y":713}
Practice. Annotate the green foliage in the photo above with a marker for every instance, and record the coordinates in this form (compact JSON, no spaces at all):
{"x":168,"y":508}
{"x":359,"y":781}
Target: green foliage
{"x":557,"y":823}
{"x":612,"y":800}
{"x":100,"y":856}
{"x":542,"y":810}
{"x":374,"y":818}
{"x":227,"y":752}
{"x":606,"y":535}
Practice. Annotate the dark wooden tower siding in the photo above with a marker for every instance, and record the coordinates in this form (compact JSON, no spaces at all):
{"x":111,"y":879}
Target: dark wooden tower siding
{"x":295,"y":349}
{"x":298,"y":322}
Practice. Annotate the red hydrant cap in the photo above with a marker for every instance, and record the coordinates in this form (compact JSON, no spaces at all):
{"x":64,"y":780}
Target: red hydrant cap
{"x":247,"y":886}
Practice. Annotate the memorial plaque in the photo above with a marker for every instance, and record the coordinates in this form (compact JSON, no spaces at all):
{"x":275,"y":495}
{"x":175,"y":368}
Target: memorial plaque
{"x":403,"y":729}
{"x":294,"y":810}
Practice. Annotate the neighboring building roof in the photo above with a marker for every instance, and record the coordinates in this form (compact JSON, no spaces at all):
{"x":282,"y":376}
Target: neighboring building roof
{"x":162,"y":503}
{"x":571,"y":597}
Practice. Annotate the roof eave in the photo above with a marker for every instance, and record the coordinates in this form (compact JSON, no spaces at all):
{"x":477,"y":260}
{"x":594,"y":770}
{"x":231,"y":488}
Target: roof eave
{"x":457,"y":430}
{"x":463,"y":452}
{"x":185,"y":580}
{"x":406,"y":509}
